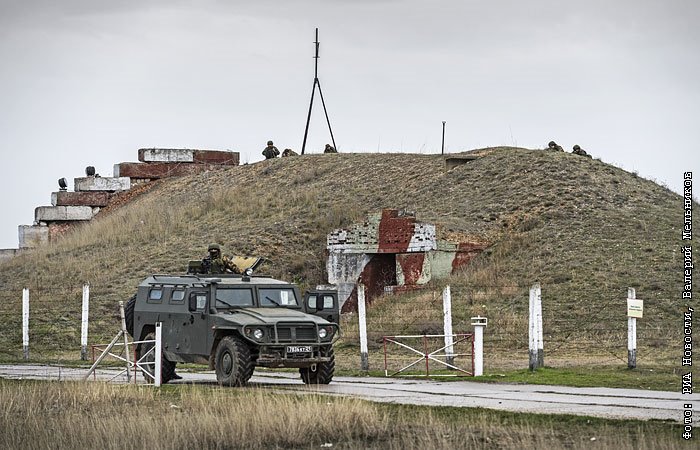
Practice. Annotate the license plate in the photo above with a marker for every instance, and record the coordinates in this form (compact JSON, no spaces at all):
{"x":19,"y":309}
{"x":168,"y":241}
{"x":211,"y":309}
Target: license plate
{"x":298,"y":349}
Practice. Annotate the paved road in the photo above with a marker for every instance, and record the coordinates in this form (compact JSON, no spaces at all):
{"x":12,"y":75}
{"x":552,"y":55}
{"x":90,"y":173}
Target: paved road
{"x":597,"y":402}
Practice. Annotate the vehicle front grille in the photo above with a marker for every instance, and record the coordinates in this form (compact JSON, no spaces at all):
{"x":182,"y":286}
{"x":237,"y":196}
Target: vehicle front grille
{"x":296,"y":333}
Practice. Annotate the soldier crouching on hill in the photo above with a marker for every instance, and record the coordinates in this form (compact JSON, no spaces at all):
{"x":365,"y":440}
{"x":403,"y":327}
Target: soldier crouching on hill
{"x":555,"y":147}
{"x":218,"y":263}
{"x":581,"y":152}
{"x":289,"y":152}
{"x":270,"y":152}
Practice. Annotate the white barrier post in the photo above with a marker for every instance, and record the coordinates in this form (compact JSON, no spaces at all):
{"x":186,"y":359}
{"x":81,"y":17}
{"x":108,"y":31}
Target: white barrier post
{"x":158,"y":355}
{"x":532,"y":330}
{"x":361,"y":314}
{"x":479,"y":323}
{"x":631,"y":334}
{"x":25,"y":323}
{"x":447,"y":320}
{"x":84,"y":322}
{"x":540,"y":328}
{"x":126,"y":342}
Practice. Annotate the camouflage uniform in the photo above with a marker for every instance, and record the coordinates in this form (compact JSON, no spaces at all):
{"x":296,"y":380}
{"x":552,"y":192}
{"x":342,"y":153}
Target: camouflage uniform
{"x":270,"y":151}
{"x":555,"y":147}
{"x":329,"y":149}
{"x":581,"y":152}
{"x":289,"y":152}
{"x":218,"y":263}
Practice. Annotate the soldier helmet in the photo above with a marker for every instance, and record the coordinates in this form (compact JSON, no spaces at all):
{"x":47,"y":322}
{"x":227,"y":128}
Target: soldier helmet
{"x":576,"y":147}
{"x":216,"y":247}
{"x":551,"y":144}
{"x":269,"y":143}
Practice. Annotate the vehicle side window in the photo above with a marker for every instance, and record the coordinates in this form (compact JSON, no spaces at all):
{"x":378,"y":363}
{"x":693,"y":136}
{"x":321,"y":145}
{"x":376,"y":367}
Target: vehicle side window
{"x":327,"y":301}
{"x":155,"y":295}
{"x":201,"y":301}
{"x":178,"y":296}
{"x":312,"y":301}
{"x":226,"y":298}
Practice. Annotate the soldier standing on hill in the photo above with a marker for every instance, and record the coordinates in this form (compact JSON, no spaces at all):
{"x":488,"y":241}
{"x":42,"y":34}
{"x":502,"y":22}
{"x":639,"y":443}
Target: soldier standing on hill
{"x":329,"y":149}
{"x":289,"y":152}
{"x":218,"y":263}
{"x":270,"y":151}
{"x":555,"y":147}
{"x":581,"y":152}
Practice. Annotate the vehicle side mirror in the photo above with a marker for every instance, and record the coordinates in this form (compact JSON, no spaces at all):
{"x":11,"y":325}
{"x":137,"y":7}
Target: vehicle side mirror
{"x":192,"y":305}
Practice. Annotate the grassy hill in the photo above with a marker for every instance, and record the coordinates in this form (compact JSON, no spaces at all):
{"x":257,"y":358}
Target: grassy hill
{"x":582,"y":228}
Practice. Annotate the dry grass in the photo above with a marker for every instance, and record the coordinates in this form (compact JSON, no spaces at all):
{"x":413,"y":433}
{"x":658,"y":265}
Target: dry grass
{"x":584,"y":229}
{"x":95,"y":415}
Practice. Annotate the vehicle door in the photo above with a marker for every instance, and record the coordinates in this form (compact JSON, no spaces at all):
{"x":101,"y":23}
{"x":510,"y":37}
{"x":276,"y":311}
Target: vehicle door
{"x":323,"y":304}
{"x":195,"y":338}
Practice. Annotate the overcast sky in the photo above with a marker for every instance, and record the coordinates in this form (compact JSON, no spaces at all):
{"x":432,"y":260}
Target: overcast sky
{"x":87,"y":82}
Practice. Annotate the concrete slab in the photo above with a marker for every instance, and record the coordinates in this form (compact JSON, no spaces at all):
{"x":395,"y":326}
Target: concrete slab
{"x":8,"y":253}
{"x":33,"y":236}
{"x":62,"y":213}
{"x":109,"y":184}
{"x":453,"y":161}
{"x":217,"y":157}
{"x":171,"y":155}
{"x":155,"y":170}
{"x":87,"y":198}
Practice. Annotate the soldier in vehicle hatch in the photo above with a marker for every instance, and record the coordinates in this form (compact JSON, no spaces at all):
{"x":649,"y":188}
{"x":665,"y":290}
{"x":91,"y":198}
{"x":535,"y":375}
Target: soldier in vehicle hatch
{"x":218,"y":263}
{"x":270,"y":152}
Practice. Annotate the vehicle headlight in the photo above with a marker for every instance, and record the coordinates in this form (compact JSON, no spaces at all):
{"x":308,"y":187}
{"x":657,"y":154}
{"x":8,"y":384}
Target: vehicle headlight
{"x":322,"y":333}
{"x":258,"y":334}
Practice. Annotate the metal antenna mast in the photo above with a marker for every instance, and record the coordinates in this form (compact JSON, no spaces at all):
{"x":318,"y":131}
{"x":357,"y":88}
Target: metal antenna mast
{"x":311,"y":104}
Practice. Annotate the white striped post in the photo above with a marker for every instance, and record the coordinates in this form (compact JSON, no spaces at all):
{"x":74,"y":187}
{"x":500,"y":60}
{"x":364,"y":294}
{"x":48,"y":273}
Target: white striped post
{"x":540,"y":328}
{"x":447,"y":321}
{"x":84,"y":322}
{"x":631,"y":334}
{"x":126,"y":342}
{"x":362,"y":317}
{"x":158,"y":355}
{"x":536,"y":335}
{"x":479,"y":323}
{"x":25,"y":323}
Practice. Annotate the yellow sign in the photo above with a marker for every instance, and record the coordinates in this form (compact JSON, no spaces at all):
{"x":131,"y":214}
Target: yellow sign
{"x":635,"y":307}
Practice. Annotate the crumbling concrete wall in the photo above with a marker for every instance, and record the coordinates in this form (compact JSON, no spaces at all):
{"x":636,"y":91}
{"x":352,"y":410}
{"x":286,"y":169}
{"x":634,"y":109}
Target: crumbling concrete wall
{"x":391,"y":252}
{"x":107,"y":184}
{"x":32,"y":236}
{"x":63,"y":213}
{"x":88,"y":198}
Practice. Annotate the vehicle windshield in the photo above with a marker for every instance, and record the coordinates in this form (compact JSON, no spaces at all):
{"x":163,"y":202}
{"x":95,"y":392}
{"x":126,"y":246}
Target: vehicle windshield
{"x":278,"y":297}
{"x":231,"y":298}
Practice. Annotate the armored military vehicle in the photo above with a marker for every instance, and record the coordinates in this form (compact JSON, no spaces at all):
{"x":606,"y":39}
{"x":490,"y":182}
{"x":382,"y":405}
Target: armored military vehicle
{"x":235,"y":323}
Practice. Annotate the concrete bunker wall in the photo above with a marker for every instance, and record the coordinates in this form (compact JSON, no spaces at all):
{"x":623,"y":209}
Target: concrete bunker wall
{"x":391,"y":252}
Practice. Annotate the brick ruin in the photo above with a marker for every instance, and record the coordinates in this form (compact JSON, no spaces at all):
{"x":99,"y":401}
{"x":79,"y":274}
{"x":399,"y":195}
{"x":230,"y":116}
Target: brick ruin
{"x":391,"y":252}
{"x":92,"y":193}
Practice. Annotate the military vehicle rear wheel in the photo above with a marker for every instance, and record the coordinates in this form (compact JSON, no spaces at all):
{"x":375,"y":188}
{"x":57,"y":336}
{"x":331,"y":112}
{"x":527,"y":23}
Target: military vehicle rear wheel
{"x":233,"y":362}
{"x":167,"y":368}
{"x":129,"y":315}
{"x":322,"y":373}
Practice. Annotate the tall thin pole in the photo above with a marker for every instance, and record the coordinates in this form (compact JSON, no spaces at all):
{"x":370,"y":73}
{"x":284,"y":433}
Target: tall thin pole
{"x":311,"y":103}
{"x":443,"y":137}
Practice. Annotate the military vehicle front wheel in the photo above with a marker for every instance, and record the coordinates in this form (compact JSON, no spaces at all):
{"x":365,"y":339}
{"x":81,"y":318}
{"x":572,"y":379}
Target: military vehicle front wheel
{"x":322,"y":373}
{"x":167,"y":368}
{"x":233,"y":362}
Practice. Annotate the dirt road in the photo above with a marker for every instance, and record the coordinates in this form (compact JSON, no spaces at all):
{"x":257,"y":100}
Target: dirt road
{"x":597,"y":402}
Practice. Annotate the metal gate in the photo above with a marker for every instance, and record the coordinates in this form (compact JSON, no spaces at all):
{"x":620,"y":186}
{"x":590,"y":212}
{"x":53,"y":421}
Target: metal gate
{"x":456,"y":353}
